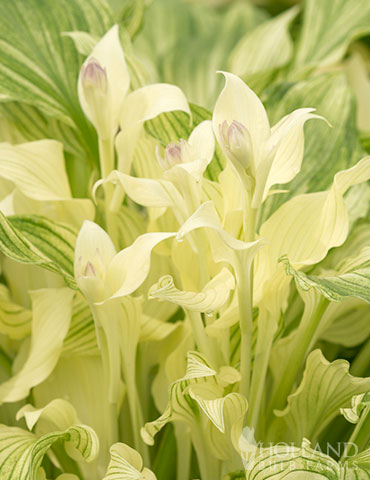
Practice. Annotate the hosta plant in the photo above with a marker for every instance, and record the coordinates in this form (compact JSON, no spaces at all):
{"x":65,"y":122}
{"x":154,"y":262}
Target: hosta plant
{"x":185,"y":240}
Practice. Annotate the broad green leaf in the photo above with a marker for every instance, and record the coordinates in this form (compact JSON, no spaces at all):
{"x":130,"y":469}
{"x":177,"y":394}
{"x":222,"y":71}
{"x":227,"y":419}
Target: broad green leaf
{"x":39,"y":241}
{"x":84,"y":41}
{"x":327,"y":150}
{"x":26,"y":123}
{"x":354,"y":281}
{"x":193,"y":60}
{"x":126,"y":464}
{"x":212,"y":297}
{"x":263,"y":50}
{"x":22,"y":452}
{"x":325,"y":389}
{"x":39,"y":66}
{"x":328,"y":28}
{"x":51,"y":316}
{"x":171,"y":127}
{"x":346,"y":323}
{"x":358,"y":78}
{"x":15,"y":320}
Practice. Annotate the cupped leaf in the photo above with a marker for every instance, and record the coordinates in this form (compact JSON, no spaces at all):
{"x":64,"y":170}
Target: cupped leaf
{"x":358,"y":404}
{"x":126,"y":464}
{"x":59,"y":413}
{"x":212,"y":297}
{"x":180,"y":407}
{"x":226,"y":414}
{"x":325,"y":389}
{"x":22,"y":452}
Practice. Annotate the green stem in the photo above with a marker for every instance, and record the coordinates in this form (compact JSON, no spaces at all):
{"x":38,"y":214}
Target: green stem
{"x":183,"y":442}
{"x":297,"y":356}
{"x":202,"y":341}
{"x":266,"y":332}
{"x":106,"y":155}
{"x":245,"y":298}
{"x":360,"y":435}
{"x":208,"y":465}
{"x":136,"y":416}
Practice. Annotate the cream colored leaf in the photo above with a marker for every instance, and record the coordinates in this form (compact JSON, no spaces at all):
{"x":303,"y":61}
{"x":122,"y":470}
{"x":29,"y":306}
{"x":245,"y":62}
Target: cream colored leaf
{"x":52,"y":310}
{"x":59,"y":413}
{"x":126,"y":464}
{"x":36,"y":168}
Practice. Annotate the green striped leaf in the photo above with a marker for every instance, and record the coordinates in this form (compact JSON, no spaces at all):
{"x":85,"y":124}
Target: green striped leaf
{"x":325,"y":389}
{"x":354,"y":282}
{"x":279,"y":462}
{"x":81,"y":337}
{"x":15,"y":320}
{"x":39,"y":67}
{"x":22,"y":453}
{"x":328,"y":28}
{"x":27,"y":123}
{"x":126,"y":464}
{"x":195,"y":57}
{"x":263,"y":50}
{"x":327,"y":150}
{"x":38,"y":241}
{"x":171,"y":127}
{"x":181,"y":405}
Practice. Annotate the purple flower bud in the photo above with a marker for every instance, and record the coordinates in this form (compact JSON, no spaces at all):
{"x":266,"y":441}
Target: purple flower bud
{"x":94,"y":76}
{"x":237,"y":142}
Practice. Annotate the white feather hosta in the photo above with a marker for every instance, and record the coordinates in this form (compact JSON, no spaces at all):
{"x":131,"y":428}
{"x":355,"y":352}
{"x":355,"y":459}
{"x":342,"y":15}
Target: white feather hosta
{"x":167,"y":312}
